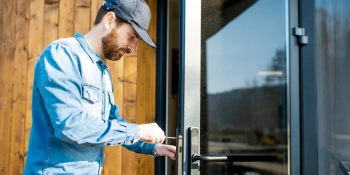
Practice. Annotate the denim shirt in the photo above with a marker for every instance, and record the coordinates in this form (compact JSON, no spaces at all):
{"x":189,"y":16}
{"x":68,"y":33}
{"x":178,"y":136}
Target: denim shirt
{"x":74,"y":114}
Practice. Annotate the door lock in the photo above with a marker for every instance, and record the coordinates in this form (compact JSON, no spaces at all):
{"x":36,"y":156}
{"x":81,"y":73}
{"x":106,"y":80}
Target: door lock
{"x":193,"y":150}
{"x":178,"y":152}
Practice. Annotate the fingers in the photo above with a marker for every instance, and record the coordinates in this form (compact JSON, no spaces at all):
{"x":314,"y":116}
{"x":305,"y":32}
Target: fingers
{"x":166,"y":150}
{"x":171,"y":148}
{"x":151,"y":133}
{"x":162,"y":139}
{"x":155,"y":139}
{"x":172,"y":154}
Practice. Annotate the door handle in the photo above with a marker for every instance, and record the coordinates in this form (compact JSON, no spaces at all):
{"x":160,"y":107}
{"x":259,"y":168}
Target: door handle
{"x":196,"y":157}
{"x":236,"y":158}
{"x":229,"y":159}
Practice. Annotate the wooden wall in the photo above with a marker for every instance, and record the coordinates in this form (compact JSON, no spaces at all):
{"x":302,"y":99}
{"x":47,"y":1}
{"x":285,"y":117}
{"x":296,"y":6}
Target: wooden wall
{"x":26,"y":27}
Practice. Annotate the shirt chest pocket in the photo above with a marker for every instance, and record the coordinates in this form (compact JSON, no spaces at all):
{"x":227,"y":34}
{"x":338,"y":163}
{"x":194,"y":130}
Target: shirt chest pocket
{"x":91,"y":93}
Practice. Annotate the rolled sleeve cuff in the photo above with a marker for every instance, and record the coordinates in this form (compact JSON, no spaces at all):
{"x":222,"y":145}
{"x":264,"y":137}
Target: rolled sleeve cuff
{"x":153,"y":152}
{"x":150,"y":149}
{"x":132,"y":134}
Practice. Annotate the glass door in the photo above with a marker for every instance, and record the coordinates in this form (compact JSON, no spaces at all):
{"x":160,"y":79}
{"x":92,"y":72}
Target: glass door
{"x":235,"y":88}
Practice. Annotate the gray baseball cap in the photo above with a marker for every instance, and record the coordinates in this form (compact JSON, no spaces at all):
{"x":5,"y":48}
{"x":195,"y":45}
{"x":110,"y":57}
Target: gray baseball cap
{"x":134,"y":12}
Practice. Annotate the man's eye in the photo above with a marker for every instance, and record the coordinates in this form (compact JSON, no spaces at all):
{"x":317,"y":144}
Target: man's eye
{"x":132,"y":37}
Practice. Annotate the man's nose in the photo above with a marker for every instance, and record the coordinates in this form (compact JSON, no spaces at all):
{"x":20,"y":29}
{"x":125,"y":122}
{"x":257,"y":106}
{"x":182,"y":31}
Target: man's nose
{"x":132,"y":47}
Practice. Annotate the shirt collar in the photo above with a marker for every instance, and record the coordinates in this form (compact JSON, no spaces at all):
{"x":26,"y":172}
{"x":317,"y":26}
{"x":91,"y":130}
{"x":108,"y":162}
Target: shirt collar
{"x":88,"y":49}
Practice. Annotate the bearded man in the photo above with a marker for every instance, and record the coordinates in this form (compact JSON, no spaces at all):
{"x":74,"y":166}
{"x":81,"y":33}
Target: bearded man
{"x":73,"y":109}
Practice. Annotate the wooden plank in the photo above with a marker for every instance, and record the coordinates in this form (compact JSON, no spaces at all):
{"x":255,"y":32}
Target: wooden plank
{"x":1,"y":14}
{"x":142,"y":101}
{"x":28,"y":107}
{"x":130,"y":76}
{"x":66,"y":18}
{"x":113,"y":159}
{"x":129,"y":109}
{"x":152,"y":29}
{"x":117,"y":71}
{"x":1,"y":57}
{"x":35,"y":47}
{"x":151,"y":55}
{"x":82,"y":17}
{"x":141,"y":163}
{"x":151,"y":86}
{"x":95,"y":6}
{"x":51,"y":21}
{"x":6,"y":65}
{"x":36,"y":28}
{"x":141,"y":89}
{"x":93,"y":12}
{"x":19,"y":88}
{"x":129,"y":159}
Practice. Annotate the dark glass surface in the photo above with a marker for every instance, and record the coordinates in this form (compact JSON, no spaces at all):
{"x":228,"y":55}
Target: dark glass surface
{"x":243,"y":83}
{"x":333,"y":85}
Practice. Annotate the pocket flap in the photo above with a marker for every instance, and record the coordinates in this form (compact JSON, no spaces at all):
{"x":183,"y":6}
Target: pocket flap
{"x":91,"y":93}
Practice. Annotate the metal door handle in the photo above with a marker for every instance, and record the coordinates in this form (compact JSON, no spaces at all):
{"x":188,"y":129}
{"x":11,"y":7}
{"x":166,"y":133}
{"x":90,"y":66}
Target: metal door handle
{"x":236,"y":157}
{"x":196,"y":157}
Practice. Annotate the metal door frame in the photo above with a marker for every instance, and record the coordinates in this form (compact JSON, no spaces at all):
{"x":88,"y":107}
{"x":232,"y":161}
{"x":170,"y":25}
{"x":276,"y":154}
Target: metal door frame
{"x":293,"y":89}
{"x":190,"y":71}
{"x":308,"y":90}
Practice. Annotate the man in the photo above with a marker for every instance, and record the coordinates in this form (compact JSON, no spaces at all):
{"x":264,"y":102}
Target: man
{"x":74,"y":114}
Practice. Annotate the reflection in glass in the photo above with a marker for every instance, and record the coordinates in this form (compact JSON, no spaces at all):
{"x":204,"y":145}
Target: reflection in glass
{"x":332,"y":48}
{"x":243,"y":105}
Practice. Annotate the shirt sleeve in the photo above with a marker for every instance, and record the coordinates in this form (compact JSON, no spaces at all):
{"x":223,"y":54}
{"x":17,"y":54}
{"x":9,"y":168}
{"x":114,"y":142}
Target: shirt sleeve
{"x":141,"y":147}
{"x":138,"y":147}
{"x":60,"y":84}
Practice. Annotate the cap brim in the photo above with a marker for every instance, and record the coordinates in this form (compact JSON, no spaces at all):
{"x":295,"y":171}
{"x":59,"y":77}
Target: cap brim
{"x":144,"y":35}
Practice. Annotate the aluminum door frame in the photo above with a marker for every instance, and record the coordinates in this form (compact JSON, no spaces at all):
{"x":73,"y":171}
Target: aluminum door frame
{"x":190,"y":72}
{"x":293,"y":89}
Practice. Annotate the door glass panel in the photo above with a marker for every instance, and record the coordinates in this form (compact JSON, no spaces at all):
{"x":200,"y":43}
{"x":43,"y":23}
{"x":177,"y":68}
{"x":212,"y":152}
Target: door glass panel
{"x":332,"y":53}
{"x":243,"y":83}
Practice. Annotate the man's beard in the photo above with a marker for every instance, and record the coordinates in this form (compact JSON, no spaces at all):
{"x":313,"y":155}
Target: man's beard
{"x":110,"y":46}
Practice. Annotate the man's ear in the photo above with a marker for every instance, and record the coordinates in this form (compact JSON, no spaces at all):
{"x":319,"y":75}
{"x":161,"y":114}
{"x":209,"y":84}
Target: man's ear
{"x":109,"y":20}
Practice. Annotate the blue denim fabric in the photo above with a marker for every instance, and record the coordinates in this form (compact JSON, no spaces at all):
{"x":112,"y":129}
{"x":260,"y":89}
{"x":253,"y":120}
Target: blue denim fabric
{"x":74,"y":114}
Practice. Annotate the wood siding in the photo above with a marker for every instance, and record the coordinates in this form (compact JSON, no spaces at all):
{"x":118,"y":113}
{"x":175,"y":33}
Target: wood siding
{"x":26,"y":28}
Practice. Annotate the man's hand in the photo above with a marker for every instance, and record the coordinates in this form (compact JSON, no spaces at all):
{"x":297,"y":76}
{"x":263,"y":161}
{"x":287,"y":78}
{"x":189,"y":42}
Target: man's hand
{"x":166,"y":150}
{"x":151,"y":133}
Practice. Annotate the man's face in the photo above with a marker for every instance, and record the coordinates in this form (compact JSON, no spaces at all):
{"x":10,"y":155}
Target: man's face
{"x":122,"y":39}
